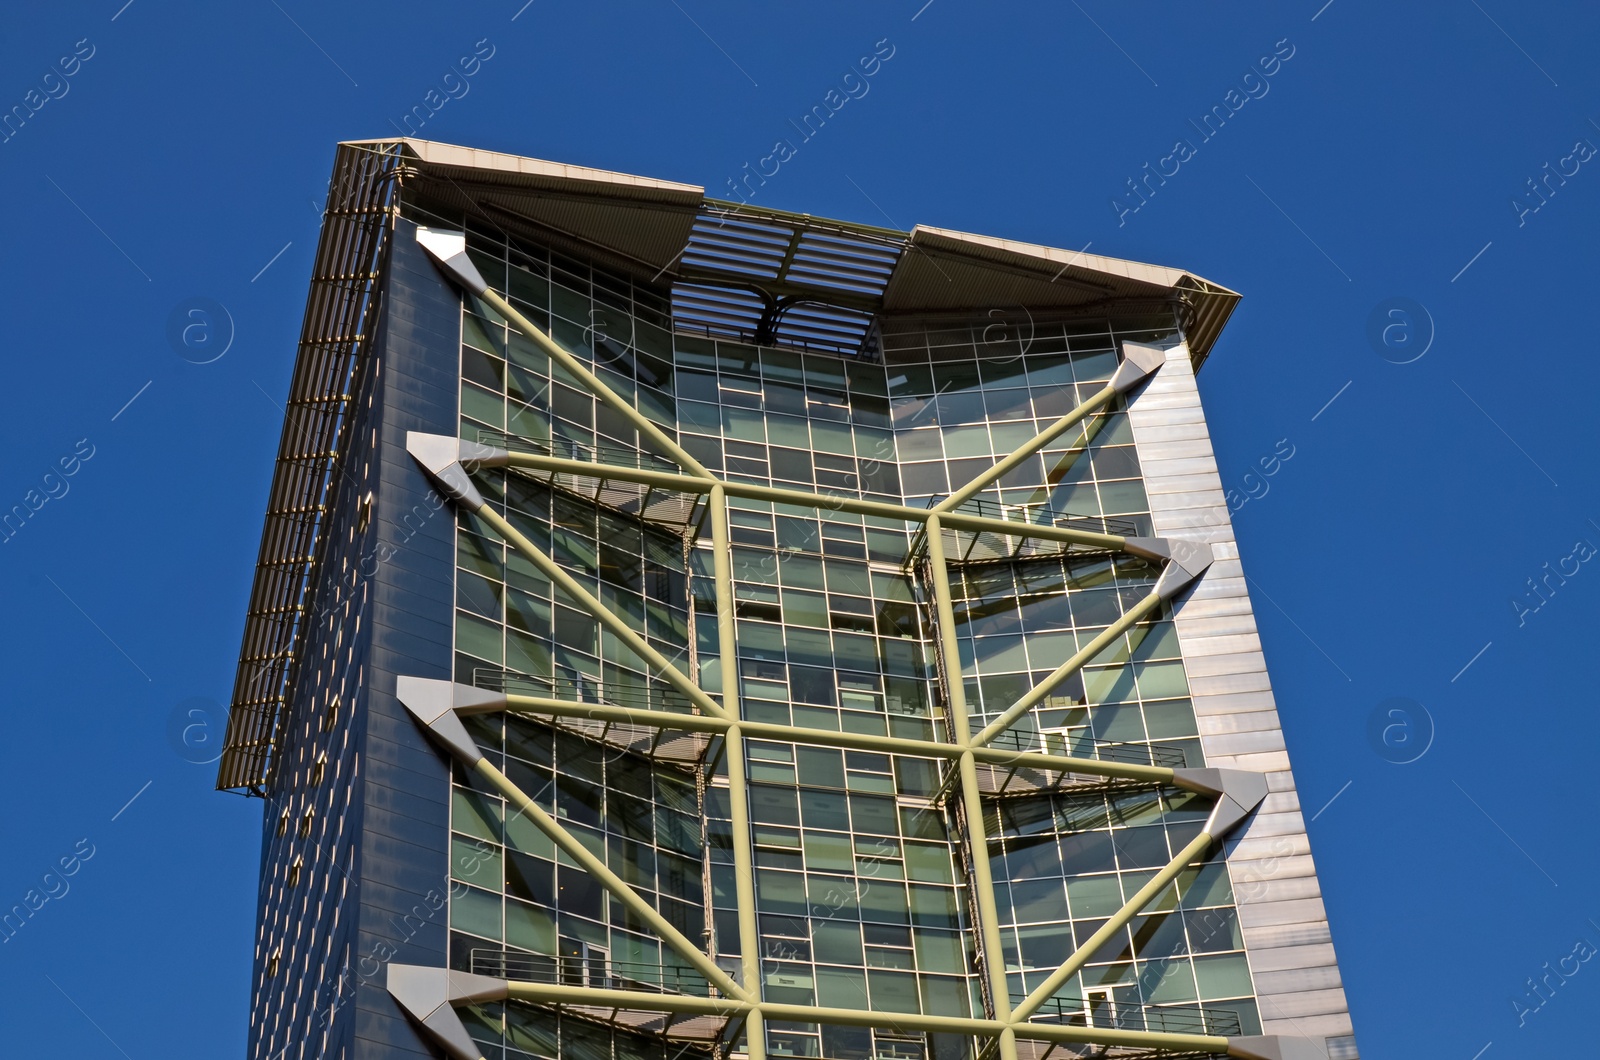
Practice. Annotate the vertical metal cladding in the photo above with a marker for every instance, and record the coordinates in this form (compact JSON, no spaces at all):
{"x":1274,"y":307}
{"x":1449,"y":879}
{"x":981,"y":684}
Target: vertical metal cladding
{"x":404,"y":835}
{"x":372,"y":876}
{"x":1281,"y":914}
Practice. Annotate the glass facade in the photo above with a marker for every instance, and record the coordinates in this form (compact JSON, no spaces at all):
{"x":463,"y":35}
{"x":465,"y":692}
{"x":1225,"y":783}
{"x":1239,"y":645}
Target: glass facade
{"x":719,"y":633}
{"x":861,"y":861}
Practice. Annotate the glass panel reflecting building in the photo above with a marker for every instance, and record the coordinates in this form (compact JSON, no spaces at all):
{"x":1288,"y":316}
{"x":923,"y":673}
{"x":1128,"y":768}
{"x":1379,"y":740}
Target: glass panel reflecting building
{"x":684,"y":630}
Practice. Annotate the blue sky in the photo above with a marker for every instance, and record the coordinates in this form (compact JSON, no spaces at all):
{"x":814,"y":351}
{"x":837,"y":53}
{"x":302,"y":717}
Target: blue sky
{"x":180,"y":153}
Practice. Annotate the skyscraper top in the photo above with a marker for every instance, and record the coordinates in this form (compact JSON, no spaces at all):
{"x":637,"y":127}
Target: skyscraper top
{"x":733,"y":272}
{"x":733,"y":266}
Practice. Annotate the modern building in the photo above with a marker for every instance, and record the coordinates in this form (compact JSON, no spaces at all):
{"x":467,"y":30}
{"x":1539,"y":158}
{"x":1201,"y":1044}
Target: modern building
{"x":683,"y":629}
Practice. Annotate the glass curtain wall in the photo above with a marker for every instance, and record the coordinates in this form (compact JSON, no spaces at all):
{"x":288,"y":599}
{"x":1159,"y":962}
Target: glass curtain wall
{"x":861,"y":892}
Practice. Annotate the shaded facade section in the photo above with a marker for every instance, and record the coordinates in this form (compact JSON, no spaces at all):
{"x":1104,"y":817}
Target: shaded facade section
{"x":370,"y":879}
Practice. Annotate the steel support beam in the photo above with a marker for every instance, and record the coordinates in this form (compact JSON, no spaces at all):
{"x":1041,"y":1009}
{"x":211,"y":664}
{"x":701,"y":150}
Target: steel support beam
{"x":1238,"y":793}
{"x":427,"y":994}
{"x":905,"y":513}
{"x":1037,"y":694}
{"x":992,"y":950}
{"x":1138,"y":362}
{"x":449,"y":252}
{"x":901,"y":745}
{"x":565,"y":465}
{"x":422,"y":698}
{"x":1186,"y":561}
{"x":613,"y":883}
{"x":1119,"y":920}
{"x":744,"y":874}
{"x":633,"y":1000}
{"x":803,"y":499}
{"x":1027,"y":449}
{"x":608,"y":618}
{"x":639,"y":1001}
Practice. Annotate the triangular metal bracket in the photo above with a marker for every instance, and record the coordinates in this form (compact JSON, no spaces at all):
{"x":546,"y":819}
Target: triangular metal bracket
{"x":435,"y":706}
{"x":449,"y":251}
{"x":1238,"y":792}
{"x":440,"y":457}
{"x":429,"y":996}
{"x":1139,"y":362}
{"x":1186,"y":561}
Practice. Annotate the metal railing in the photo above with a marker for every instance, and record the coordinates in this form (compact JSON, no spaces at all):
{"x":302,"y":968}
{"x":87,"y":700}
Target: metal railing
{"x":1087,"y":747}
{"x":594,"y":971}
{"x":567,"y":449}
{"x":1040,"y":515}
{"x":579,"y":688}
{"x":1096,"y":1012}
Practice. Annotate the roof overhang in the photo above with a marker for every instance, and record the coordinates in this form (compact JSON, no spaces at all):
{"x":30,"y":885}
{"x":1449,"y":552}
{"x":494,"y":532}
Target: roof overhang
{"x":793,"y":279}
{"x":642,"y":220}
{"x":757,"y":275}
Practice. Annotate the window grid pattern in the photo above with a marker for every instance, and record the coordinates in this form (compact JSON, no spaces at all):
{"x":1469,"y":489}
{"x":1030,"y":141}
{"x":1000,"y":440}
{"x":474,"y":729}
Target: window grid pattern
{"x":961,"y":397}
{"x":1070,"y":862}
{"x":519,"y":889}
{"x":861,"y":903}
{"x":1017,"y":622}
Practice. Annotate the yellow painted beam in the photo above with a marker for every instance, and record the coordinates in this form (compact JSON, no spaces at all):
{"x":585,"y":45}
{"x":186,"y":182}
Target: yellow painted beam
{"x":1027,"y":449}
{"x":613,"y":883}
{"x":646,"y":428}
{"x":744,"y":874}
{"x":1119,"y":920}
{"x":1037,"y":694}
{"x":855,"y":741}
{"x":608,"y":618}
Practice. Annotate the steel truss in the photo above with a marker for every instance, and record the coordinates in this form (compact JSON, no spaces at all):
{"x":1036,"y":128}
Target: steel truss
{"x":430,"y":994}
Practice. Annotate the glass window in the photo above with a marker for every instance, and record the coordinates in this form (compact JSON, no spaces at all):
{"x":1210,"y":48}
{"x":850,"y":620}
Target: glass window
{"x":475,"y":912}
{"x":1094,"y":896}
{"x":1225,"y":976}
{"x":841,"y":988}
{"x":1035,"y":900}
{"x":893,"y":991}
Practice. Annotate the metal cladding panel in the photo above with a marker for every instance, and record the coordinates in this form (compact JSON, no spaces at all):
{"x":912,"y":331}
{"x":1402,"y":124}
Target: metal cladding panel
{"x":303,"y":980}
{"x":1283,"y":921}
{"x":378,"y":1035}
{"x":310,"y":481}
{"x":404,"y":866}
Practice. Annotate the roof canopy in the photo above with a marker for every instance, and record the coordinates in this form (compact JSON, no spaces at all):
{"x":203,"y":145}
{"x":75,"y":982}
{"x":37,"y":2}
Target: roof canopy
{"x":792,"y":279}
{"x":764,"y":276}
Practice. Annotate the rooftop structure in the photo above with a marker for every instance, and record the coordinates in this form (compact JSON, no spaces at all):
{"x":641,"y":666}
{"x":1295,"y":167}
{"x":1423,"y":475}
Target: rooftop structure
{"x":687,"y":627}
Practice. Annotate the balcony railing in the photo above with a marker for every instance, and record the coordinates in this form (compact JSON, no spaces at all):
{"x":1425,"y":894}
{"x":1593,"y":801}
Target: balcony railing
{"x":1016,"y":541}
{"x":593,"y":971}
{"x":566,"y":449}
{"x":1101,"y":1012}
{"x":579,"y":688}
{"x":1075,"y":746}
{"x":1039,"y":515}
{"x":659,"y":742}
{"x":657,"y":504}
